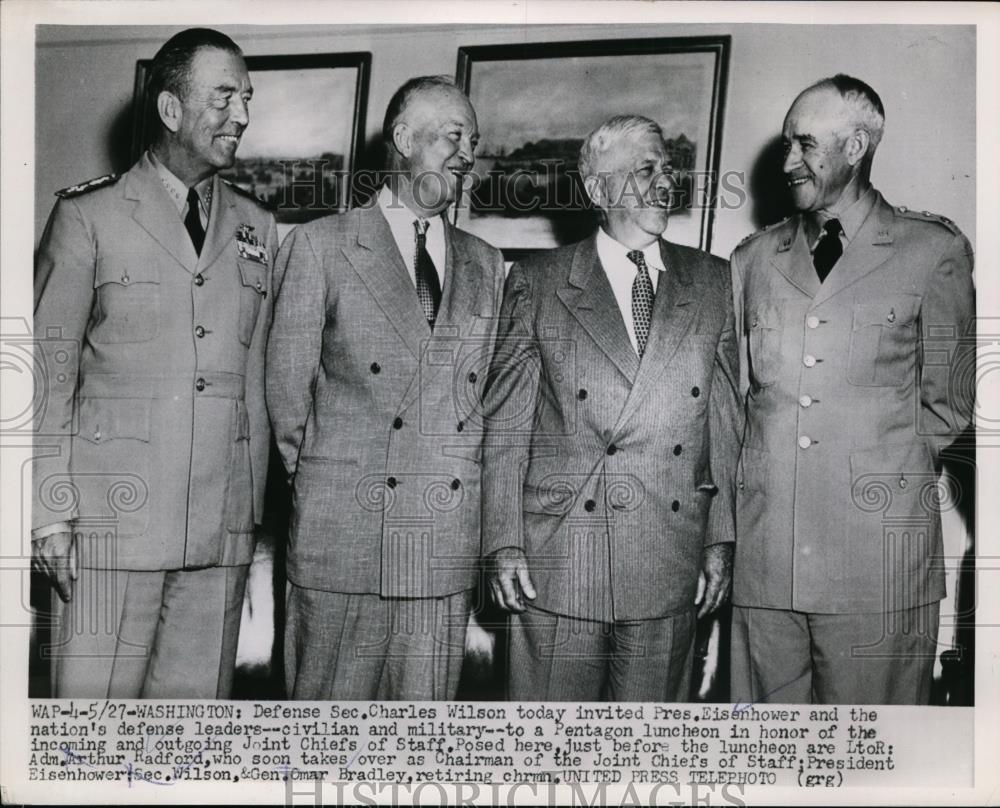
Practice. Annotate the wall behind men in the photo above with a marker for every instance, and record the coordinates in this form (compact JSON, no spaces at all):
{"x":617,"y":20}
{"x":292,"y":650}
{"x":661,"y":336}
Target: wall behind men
{"x":925,"y":75}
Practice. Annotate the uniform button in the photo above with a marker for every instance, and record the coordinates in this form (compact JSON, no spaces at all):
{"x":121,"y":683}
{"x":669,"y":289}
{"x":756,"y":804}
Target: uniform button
{"x":805,"y":401}
{"x":589,"y":506}
{"x":473,"y":378}
{"x":199,"y":331}
{"x":455,"y":485}
{"x":812,"y":321}
{"x":675,"y":506}
{"x":460,"y":426}
{"x":125,"y":278}
{"x":805,"y":442}
{"x":391,"y":482}
{"x":397,"y":423}
{"x":678,"y":449}
{"x":581,"y":394}
{"x":809,"y":360}
{"x":199,"y":280}
{"x":612,"y":449}
{"x":97,"y":434}
{"x":903,"y":482}
{"x":199,"y":385}
{"x":375,"y":367}
{"x":695,"y":391}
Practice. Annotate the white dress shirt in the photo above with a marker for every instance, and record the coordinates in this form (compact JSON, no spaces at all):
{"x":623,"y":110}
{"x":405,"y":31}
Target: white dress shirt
{"x":621,"y":272}
{"x":401,"y":219}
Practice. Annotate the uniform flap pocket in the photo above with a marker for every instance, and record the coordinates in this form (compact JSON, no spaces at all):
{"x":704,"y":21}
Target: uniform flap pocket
{"x":104,"y":419}
{"x":253,"y":276}
{"x":891,"y":312}
{"x":891,"y":460}
{"x":125,"y":274}
{"x":765,"y":315}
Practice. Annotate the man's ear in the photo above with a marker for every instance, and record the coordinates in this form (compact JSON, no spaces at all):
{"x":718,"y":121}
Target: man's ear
{"x":595,"y":190}
{"x":169,"y":107}
{"x":402,"y":139}
{"x":856,"y":146}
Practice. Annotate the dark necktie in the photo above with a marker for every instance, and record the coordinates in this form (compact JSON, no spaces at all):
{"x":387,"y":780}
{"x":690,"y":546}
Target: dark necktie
{"x":642,"y":299}
{"x":828,"y":250}
{"x":428,"y":284}
{"x":193,"y":221}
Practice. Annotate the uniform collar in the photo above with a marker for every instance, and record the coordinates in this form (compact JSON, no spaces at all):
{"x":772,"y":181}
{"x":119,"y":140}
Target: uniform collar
{"x":178,"y":191}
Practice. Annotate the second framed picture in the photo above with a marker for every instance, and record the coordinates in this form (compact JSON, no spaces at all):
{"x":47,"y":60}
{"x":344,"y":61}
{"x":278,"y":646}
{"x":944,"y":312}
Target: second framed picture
{"x":536,"y":103}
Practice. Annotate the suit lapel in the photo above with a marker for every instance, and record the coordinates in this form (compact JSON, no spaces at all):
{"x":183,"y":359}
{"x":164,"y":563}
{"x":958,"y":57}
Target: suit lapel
{"x":868,"y":250}
{"x":793,"y":260}
{"x":156,"y":214}
{"x":590,"y":299}
{"x":380,"y":266}
{"x":673,"y":313}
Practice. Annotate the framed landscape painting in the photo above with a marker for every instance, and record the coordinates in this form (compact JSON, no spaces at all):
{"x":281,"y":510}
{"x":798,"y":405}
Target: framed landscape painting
{"x":535,"y":104}
{"x":306,"y":132}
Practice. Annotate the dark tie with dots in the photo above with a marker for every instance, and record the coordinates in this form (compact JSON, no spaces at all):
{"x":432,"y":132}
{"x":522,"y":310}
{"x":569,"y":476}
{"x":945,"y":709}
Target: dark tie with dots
{"x":428,"y":284}
{"x":193,"y":221}
{"x":828,"y":250}
{"x":642,"y":299}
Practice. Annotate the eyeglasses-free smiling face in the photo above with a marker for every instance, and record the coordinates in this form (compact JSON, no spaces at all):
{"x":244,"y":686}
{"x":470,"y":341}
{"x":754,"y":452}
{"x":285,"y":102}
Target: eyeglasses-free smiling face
{"x":637,"y":183}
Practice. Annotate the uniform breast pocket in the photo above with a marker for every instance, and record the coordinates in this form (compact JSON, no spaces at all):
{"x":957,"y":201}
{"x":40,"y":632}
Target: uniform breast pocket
{"x":127,"y":302}
{"x":253,"y":290}
{"x":764,"y":329}
{"x":883,"y":342}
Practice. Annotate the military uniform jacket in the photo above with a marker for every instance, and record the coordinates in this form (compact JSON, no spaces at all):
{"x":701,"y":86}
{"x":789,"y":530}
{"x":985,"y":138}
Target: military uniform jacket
{"x":853,"y":388}
{"x":377,"y":418}
{"x":151,"y":429}
{"x":610,"y":473}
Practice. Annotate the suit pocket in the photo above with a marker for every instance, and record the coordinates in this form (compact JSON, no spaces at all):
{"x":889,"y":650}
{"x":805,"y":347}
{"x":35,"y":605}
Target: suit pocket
{"x":884,"y":342}
{"x":110,"y":463}
{"x":239,"y":492}
{"x":253,"y":289}
{"x":127,"y":302}
{"x":764,"y":328}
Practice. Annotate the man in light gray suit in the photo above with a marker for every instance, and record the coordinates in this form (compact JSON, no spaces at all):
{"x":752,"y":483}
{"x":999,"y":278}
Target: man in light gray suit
{"x":611,"y":442}
{"x":384,"y":324}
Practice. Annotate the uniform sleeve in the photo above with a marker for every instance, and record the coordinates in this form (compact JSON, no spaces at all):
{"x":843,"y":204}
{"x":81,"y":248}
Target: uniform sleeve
{"x":260,"y":431}
{"x":736,"y":278}
{"x":948,"y":347}
{"x":509,"y":406}
{"x":295,"y":344}
{"x":64,"y":293}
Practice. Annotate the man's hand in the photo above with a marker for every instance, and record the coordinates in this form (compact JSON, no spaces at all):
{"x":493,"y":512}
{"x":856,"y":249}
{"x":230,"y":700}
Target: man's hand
{"x":509,"y":581}
{"x":55,"y":556}
{"x":715,"y":577}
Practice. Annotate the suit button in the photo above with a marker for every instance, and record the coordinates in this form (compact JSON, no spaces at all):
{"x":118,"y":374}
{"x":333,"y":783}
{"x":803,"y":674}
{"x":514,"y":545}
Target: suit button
{"x":805,"y":442}
{"x":391,"y":482}
{"x":589,"y":506}
{"x":375,"y":367}
{"x":473,"y":378}
{"x":612,"y":449}
{"x":812,"y":321}
{"x":678,"y":449}
{"x":460,"y":426}
{"x":199,"y":331}
{"x":199,"y":280}
{"x":581,"y":394}
{"x":199,"y":385}
{"x":397,"y":423}
{"x":695,"y":391}
{"x":455,"y":485}
{"x":805,"y":401}
{"x":675,"y":506}
{"x":809,"y":360}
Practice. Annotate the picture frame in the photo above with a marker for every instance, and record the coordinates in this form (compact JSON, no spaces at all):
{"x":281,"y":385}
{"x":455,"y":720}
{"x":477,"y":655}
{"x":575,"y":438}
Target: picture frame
{"x":537,"y":101}
{"x":301,"y":149}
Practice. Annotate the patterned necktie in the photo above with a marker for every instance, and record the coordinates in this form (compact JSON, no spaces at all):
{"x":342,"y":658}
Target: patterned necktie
{"x":642,"y":299}
{"x":428,"y":284}
{"x":828,"y":250}
{"x":193,"y":221}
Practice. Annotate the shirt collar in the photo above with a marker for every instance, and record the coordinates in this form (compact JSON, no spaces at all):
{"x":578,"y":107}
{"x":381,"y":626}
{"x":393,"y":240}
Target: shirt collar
{"x":608,"y":246}
{"x":850,"y":219}
{"x":178,"y":191}
{"x":400,"y":217}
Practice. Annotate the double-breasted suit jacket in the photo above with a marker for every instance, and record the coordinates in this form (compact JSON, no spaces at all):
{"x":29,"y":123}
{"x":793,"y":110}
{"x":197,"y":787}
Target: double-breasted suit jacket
{"x":853,"y":387}
{"x":377,"y":417}
{"x":612,"y":473}
{"x":151,"y":430}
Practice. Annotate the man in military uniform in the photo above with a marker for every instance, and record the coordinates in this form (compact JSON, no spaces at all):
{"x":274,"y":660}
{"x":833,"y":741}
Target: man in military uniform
{"x":851,"y":316}
{"x":151,"y":311}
